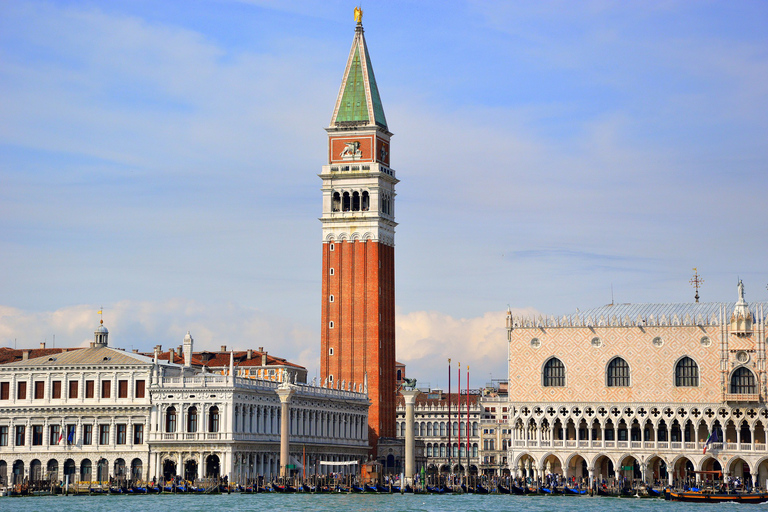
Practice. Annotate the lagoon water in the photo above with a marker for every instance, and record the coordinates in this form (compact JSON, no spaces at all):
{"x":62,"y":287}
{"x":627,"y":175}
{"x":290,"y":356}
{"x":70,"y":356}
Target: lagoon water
{"x":352,"y":502}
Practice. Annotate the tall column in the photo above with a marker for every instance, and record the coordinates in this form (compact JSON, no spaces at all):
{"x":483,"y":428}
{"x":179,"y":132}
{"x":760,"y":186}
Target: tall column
{"x":410,"y":440}
{"x":285,"y":392}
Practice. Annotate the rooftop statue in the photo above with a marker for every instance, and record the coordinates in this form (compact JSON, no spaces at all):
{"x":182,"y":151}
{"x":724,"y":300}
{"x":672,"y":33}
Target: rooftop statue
{"x":409,"y":384}
{"x":358,"y":15}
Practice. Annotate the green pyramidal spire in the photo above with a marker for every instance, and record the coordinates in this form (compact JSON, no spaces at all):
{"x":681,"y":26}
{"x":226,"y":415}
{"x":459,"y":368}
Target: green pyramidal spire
{"x":359,"y":102}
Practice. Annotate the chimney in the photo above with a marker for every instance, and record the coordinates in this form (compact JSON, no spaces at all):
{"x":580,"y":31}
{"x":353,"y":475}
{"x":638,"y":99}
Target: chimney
{"x":172,"y":353}
{"x":261,"y":349}
{"x":158,"y":349}
{"x":223,"y":348}
{"x":42,"y":344}
{"x":249,"y":355}
{"x":25,"y":354}
{"x":263,"y":358}
{"x":135,"y":351}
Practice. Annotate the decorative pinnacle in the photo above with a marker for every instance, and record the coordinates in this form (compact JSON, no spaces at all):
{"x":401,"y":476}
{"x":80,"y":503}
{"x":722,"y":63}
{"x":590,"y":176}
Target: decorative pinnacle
{"x":359,"y":15}
{"x":696,"y":281}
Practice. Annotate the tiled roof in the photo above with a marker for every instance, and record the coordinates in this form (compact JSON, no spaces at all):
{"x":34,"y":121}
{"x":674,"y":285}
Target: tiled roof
{"x":221,"y":359}
{"x":85,"y":356}
{"x":9,"y":355}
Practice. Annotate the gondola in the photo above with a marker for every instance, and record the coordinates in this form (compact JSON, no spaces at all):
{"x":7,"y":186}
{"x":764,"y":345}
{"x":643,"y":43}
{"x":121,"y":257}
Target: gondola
{"x":513,"y":489}
{"x":502,"y":490}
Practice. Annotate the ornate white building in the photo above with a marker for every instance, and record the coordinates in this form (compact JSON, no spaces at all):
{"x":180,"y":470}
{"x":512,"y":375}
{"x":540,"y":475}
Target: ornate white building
{"x":636,"y":390}
{"x":97,"y":413}
{"x":82,"y":413}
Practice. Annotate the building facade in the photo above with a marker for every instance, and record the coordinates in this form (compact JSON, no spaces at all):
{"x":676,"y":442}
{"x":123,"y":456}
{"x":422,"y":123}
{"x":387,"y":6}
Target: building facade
{"x":78,"y":413}
{"x":644,"y":391}
{"x":99,"y":413}
{"x":358,"y":222}
{"x":444,"y":434}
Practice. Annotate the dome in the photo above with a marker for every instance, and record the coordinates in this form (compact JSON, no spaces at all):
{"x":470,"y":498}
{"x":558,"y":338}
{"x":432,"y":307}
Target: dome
{"x":101,"y":329}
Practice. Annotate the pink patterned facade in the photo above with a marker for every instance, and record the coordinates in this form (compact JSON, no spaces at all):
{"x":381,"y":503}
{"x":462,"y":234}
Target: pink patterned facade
{"x":639,"y":390}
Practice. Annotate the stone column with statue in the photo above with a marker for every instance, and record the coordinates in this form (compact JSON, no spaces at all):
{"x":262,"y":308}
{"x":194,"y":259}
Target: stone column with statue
{"x":409,"y":393}
{"x":285,"y":392}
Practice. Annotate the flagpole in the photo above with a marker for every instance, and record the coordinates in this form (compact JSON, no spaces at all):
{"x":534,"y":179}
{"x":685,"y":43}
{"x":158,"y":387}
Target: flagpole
{"x":450,"y":448}
{"x":458,"y":416}
{"x":467,"y":470}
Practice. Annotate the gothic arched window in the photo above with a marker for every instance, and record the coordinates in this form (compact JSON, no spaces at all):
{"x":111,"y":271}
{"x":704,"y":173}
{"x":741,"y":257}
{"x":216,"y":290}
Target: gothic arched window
{"x":618,"y":373}
{"x":743,"y":381}
{"x":686,"y":373}
{"x":554,"y":373}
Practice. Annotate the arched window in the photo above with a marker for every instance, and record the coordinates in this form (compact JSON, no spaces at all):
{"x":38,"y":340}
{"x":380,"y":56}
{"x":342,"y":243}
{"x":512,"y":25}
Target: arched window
{"x":345,"y":202}
{"x":429,"y":450}
{"x":423,"y":429}
{"x":686,"y":373}
{"x":366,"y":202}
{"x":743,"y":382}
{"x":455,"y":429}
{"x":192,"y":419}
{"x":474,"y":449}
{"x":355,"y":201}
{"x":170,"y":419}
{"x":213,"y":419}
{"x":336,"y":202}
{"x":474,"y":429}
{"x":429,"y":429}
{"x":442,"y":428}
{"x":618,"y":373}
{"x":442,"y":450}
{"x":554,"y":373}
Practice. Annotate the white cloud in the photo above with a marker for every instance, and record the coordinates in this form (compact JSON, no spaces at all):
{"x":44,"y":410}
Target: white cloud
{"x":427,"y":339}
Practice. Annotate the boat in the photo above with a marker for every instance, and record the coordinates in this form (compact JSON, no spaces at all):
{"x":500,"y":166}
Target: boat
{"x":501,"y":489}
{"x":513,"y":489}
{"x":713,"y":497}
{"x":479,"y":489}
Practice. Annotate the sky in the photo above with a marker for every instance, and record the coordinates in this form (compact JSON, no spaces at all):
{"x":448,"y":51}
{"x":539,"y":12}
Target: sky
{"x":160,"y":160}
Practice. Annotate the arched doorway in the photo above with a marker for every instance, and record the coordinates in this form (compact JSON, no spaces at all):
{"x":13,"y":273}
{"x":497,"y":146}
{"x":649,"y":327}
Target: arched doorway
{"x":18,"y":472}
{"x":630,"y":469}
{"x":552,"y":465}
{"x":577,"y":467}
{"x":119,"y":470}
{"x":52,"y":470}
{"x":657,"y":471}
{"x":169,"y":469}
{"x":136,"y":469}
{"x":212,"y":468}
{"x":604,"y":470}
{"x":738,"y":468}
{"x":35,"y":471}
{"x":190,"y":470}
{"x":3,"y":472}
{"x":102,"y":470}
{"x":69,"y":471}
{"x":86,"y":471}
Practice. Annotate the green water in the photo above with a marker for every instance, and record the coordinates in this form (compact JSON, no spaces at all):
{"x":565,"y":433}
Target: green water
{"x":352,"y":502}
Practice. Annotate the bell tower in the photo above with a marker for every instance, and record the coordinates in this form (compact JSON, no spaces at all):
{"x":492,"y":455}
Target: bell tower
{"x":358,"y":285}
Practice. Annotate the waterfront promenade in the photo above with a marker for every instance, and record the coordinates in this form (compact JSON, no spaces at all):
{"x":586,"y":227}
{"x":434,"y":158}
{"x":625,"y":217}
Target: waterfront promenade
{"x":335,"y":502}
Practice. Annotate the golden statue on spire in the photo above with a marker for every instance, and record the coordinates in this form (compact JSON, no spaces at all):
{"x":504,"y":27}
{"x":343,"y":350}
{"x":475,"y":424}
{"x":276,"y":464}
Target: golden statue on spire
{"x":358,"y":15}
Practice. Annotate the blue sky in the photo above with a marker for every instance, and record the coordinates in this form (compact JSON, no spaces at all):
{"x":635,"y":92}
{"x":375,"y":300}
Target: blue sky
{"x":161,"y":159}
